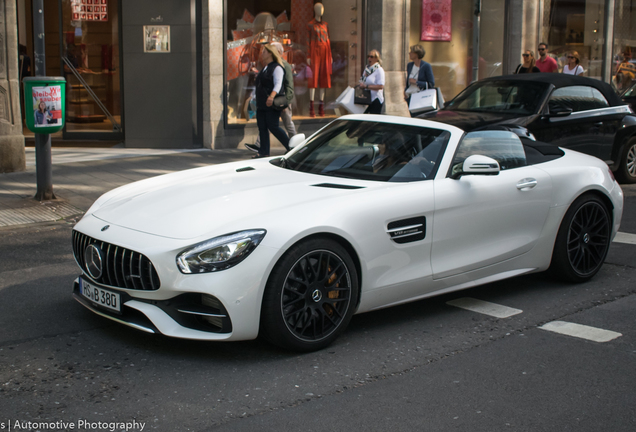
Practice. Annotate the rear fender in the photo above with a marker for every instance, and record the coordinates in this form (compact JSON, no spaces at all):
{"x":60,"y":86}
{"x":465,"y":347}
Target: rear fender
{"x":626,"y":131}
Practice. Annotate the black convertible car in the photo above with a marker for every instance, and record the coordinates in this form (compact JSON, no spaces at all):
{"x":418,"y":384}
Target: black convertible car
{"x":579,"y":113}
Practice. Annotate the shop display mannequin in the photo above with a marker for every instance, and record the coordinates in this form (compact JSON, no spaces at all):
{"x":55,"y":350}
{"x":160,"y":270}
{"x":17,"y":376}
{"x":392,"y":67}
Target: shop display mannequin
{"x":319,"y":59}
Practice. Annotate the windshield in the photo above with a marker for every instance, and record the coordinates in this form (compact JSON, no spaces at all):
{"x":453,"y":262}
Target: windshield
{"x":368,"y":150}
{"x":504,"y":97}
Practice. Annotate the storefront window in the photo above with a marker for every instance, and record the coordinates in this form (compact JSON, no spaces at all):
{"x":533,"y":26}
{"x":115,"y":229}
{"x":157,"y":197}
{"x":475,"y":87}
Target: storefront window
{"x":624,"y":49}
{"x":577,"y":26}
{"x":323,"y":64}
{"x":452,"y":57}
{"x":90,"y":60}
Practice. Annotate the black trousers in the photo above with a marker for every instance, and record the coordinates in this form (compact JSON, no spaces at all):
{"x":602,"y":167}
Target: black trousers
{"x":375,"y":107}
{"x":267,"y":121}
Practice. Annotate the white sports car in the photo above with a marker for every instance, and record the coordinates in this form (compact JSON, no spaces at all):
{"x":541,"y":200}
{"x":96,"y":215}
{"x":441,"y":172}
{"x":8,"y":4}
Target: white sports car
{"x":369,"y":212}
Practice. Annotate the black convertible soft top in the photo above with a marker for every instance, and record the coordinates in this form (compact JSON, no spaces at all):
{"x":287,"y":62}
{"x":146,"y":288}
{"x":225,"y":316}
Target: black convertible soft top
{"x":563,"y":80}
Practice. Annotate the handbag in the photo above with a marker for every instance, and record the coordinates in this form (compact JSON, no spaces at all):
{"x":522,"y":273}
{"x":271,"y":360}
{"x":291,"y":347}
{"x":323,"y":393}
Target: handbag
{"x":345,"y":102}
{"x":280,"y":102}
{"x":362,"y":96}
{"x":425,"y":100}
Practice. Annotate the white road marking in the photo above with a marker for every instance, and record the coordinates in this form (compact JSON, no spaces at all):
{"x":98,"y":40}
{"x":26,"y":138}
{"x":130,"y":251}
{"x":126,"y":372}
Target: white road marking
{"x":627,"y":238}
{"x":581,"y":331}
{"x":484,"y":307}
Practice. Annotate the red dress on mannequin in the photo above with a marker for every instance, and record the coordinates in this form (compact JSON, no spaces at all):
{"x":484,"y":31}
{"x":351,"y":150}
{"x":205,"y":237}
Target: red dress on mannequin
{"x":319,"y":54}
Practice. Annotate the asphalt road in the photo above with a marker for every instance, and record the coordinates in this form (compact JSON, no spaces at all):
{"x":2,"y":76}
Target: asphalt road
{"x":421,"y":366}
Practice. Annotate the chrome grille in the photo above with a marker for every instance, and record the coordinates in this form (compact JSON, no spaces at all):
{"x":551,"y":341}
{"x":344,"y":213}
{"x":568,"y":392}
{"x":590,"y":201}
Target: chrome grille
{"x":123,"y":268}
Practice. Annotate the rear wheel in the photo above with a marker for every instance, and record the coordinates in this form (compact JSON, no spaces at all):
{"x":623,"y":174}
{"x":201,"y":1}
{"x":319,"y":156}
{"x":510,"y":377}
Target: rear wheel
{"x":626,"y":172}
{"x":310,"y":296}
{"x":583,"y":240}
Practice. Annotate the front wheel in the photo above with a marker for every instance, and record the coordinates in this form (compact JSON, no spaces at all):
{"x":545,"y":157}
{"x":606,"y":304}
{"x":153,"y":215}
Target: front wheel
{"x":626,"y":172}
{"x":583,"y":240}
{"x":310,"y":296}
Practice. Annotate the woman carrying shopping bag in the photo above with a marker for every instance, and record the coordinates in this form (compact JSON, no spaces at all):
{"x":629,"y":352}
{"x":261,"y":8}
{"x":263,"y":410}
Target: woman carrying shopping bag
{"x":419,"y":74}
{"x":373,"y":80}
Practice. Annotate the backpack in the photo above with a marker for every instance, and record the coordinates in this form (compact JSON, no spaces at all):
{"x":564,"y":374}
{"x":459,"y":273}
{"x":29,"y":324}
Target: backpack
{"x":288,"y":81}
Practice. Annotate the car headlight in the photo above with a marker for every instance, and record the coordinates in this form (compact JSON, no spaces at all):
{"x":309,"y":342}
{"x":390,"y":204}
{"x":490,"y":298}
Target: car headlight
{"x":219,"y":253}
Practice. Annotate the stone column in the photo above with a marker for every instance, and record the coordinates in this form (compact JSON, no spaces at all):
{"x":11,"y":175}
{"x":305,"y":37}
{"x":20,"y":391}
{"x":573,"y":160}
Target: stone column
{"x":11,"y":136}
{"x":388,"y":33}
{"x":213,"y":52}
{"x":513,"y":36}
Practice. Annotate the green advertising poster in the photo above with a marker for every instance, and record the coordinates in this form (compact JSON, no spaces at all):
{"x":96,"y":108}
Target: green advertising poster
{"x":44,"y":103}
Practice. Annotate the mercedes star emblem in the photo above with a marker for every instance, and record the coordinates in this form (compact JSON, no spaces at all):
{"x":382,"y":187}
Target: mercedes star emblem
{"x":93,"y":261}
{"x":316,"y":296}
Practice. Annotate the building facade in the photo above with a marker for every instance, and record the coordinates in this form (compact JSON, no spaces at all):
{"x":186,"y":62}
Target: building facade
{"x":166,"y":74}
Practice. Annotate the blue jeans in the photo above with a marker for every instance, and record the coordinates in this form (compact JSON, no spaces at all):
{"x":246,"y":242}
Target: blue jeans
{"x":268,"y":121}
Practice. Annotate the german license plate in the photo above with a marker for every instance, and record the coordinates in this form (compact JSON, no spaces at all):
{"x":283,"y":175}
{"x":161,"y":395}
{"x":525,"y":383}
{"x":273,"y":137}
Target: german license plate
{"x":104,"y":298}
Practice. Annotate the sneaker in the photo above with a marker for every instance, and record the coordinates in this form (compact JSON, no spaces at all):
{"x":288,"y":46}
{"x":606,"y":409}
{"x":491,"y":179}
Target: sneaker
{"x":252,"y":147}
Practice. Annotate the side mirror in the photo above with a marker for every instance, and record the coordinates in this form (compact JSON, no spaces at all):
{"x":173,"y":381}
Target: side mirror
{"x":478,"y":165}
{"x":296,"y":140}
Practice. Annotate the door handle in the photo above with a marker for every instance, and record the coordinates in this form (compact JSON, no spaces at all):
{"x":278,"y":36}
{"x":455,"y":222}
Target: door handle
{"x":526,"y":183}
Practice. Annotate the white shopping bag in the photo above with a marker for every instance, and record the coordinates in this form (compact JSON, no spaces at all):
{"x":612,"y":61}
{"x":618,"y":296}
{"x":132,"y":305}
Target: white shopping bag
{"x":345,"y":102}
{"x":426,"y":100}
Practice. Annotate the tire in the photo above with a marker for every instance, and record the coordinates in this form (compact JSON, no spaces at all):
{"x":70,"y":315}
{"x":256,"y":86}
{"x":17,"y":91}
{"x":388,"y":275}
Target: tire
{"x":582,"y":241}
{"x":626,"y":172}
{"x":310,"y":296}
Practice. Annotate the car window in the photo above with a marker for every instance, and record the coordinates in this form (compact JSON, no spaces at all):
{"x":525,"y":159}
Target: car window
{"x":369,"y":150}
{"x":577,"y":98}
{"x":631,"y":92}
{"x":504,"y":147}
{"x":504,"y":97}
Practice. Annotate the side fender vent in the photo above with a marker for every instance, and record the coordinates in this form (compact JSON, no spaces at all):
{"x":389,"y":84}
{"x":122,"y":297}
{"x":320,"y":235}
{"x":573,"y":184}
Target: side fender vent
{"x":407,"y":230}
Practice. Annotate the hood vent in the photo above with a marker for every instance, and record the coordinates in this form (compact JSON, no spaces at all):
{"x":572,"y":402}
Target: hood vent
{"x":245,"y":169}
{"x":337,"y":186}
{"x":407,"y":230}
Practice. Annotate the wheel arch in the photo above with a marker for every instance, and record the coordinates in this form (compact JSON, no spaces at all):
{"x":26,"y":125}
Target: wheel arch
{"x":558,"y":266}
{"x":342,"y":242}
{"x":599,"y":194}
{"x":626,"y":132}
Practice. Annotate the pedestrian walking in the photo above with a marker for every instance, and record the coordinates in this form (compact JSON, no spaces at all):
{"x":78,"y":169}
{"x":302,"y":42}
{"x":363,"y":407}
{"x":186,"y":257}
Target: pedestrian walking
{"x":269,"y":84}
{"x":286,"y":114}
{"x":626,"y":71}
{"x":545,"y":63}
{"x":373,"y":79}
{"x":573,"y":67}
{"x":529,"y":63}
{"x":419,"y":74}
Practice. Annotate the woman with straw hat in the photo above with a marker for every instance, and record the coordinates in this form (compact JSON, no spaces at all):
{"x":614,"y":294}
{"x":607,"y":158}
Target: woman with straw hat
{"x":269,"y":84}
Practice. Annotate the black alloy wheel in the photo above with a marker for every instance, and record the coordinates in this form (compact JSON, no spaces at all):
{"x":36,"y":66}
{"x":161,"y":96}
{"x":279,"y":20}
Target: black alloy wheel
{"x":583,"y":240}
{"x":310,"y":297}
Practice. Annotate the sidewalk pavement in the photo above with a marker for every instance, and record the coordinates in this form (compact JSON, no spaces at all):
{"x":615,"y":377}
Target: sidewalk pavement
{"x":81,"y":175}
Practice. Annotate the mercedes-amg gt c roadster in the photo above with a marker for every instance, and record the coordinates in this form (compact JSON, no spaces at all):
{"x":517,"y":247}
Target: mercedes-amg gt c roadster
{"x":369,"y":212}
